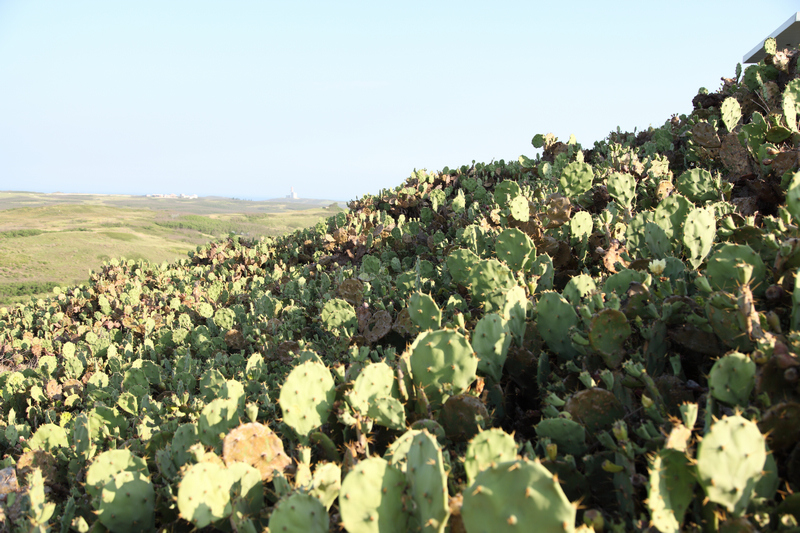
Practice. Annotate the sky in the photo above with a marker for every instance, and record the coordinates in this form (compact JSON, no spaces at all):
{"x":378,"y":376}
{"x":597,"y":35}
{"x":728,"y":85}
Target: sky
{"x":338,"y":99}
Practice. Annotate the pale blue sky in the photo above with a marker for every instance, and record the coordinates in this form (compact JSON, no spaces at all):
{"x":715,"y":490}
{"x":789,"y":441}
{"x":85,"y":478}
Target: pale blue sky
{"x":337,"y":99}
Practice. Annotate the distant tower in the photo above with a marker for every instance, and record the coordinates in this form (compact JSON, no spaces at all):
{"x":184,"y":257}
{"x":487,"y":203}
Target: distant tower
{"x":293,"y":196}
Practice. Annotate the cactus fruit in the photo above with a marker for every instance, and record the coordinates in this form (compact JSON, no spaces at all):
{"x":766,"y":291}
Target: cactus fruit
{"x":443,"y":364}
{"x":515,"y":249}
{"x":307,"y":396}
{"x":299,"y":512}
{"x":488,"y":448}
{"x":490,"y":341}
{"x":732,"y":379}
{"x":427,"y":482}
{"x":256,"y":445}
{"x":671,"y":483}
{"x":204,"y":494}
{"x":371,"y":498}
{"x":424,"y":312}
{"x":730,"y":459}
{"x":513,"y":495}
{"x":555,"y":316}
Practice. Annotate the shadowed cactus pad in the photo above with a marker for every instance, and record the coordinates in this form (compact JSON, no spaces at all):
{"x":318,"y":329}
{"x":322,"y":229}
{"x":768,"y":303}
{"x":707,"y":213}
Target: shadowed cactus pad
{"x":256,"y":445}
{"x":515,"y":495}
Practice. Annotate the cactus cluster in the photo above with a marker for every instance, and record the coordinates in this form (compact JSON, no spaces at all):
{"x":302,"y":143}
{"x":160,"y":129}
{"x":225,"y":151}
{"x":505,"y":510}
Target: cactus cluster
{"x":600,"y":339}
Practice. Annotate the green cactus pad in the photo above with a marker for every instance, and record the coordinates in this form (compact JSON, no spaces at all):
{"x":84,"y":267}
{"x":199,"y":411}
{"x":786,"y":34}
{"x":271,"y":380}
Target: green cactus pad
{"x":107,"y":465}
{"x":699,"y":232}
{"x":610,"y":330}
{"x":204,"y":494}
{"x":554,"y":318}
{"x":183,"y":439}
{"x":388,"y":412}
{"x":460,"y":263}
{"x":216,"y":419}
{"x":622,"y":187}
{"x":299,"y":512}
{"x":730,"y":263}
{"x":307,"y":396}
{"x":732,"y":378}
{"x":511,"y":496}
{"x":424,"y":311}
{"x":515,"y":248}
{"x":376,"y":380}
{"x":427,"y":482}
{"x":47,"y":437}
{"x":699,"y":185}
{"x":489,"y":279}
{"x":578,"y":288}
{"x":326,"y":483}
{"x":488,"y":448}
{"x":258,"y":446}
{"x":491,"y":341}
{"x":371,"y":498}
{"x":396,"y":452}
{"x":576,"y":179}
{"x":671,"y":489}
{"x":443,"y":364}
{"x":339,"y":317}
{"x":730,"y":459}
{"x":127,"y":503}
{"x":569,"y":435}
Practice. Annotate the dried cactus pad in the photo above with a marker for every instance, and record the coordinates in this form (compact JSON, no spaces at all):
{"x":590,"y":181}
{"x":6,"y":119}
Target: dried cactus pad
{"x":258,"y":446}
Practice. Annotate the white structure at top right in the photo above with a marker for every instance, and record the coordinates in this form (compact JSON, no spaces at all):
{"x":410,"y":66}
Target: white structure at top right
{"x":786,"y":36}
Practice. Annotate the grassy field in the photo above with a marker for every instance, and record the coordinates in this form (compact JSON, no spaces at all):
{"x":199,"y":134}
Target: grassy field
{"x":49,"y":240}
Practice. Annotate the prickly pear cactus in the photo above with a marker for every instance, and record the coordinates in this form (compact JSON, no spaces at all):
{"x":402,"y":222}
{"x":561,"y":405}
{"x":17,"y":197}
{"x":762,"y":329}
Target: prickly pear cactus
{"x":511,"y":496}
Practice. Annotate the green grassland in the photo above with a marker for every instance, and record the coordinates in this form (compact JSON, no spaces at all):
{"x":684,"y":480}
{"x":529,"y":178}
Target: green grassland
{"x":48,"y":240}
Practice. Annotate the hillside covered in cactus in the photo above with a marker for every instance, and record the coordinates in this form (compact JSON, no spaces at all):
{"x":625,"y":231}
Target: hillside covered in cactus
{"x":602,"y":338}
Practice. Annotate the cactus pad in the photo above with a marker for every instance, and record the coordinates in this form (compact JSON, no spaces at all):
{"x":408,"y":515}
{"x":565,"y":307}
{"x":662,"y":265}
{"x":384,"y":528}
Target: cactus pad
{"x":371,"y":498}
{"x":307,"y":396}
{"x":730,"y":459}
{"x":514,"y":495}
{"x":258,"y":446}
